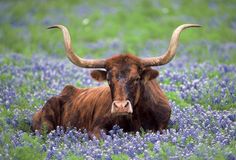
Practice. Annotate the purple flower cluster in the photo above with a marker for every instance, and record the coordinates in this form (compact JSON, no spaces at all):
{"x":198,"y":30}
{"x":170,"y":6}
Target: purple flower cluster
{"x":201,"y":125}
{"x":202,"y":83}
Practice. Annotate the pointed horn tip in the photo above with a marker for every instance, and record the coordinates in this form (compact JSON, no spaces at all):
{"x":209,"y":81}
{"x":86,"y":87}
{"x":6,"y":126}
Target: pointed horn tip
{"x":54,"y":26}
{"x":198,"y":25}
{"x":195,"y":25}
{"x":185,"y":26}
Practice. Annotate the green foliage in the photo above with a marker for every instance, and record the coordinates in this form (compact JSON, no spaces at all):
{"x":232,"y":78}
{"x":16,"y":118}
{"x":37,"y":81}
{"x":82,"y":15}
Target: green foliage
{"x":78,"y":84}
{"x":150,"y":145}
{"x":5,"y":77}
{"x":8,"y":61}
{"x":73,"y":157}
{"x":25,"y":25}
{"x":167,"y":149}
{"x":4,"y":113}
{"x":33,"y":151}
{"x":174,"y":96}
{"x":26,"y":152}
{"x":121,"y":156}
{"x":215,"y":53}
{"x":214,"y":151}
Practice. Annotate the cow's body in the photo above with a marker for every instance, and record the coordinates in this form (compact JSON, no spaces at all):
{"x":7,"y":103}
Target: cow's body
{"x":90,"y":109}
{"x":132,"y":99}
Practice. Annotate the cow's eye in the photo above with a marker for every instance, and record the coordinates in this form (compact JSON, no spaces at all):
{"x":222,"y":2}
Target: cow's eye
{"x":136,"y":79}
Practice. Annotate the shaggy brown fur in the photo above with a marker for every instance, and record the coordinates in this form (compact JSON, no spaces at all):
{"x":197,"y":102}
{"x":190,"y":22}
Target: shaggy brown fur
{"x":91,"y":108}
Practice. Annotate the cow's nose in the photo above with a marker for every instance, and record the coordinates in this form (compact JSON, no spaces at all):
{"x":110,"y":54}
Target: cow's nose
{"x":121,"y":107}
{"x":121,"y":104}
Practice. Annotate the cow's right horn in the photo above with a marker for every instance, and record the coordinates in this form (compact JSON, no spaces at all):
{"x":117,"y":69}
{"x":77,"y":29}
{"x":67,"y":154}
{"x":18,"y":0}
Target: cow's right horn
{"x":170,"y":53}
{"x":85,"y":63}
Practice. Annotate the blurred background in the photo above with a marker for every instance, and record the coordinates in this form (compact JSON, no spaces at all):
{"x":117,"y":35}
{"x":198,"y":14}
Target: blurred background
{"x":104,"y":28}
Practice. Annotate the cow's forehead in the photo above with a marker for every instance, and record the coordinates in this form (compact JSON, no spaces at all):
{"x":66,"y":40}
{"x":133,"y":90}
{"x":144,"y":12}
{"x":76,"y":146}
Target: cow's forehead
{"x":130,"y":68}
{"x":127,"y":70}
{"x":123,"y":62}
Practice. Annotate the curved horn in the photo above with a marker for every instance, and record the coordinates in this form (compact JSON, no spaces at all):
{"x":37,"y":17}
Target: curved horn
{"x":85,"y":63}
{"x":170,"y":53}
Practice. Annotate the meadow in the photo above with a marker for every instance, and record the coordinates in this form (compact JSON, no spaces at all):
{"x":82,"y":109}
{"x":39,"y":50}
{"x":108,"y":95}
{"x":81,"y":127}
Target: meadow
{"x":200,"y":82}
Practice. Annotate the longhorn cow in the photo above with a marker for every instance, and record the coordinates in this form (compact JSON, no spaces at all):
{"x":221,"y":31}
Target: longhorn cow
{"x":132,"y":99}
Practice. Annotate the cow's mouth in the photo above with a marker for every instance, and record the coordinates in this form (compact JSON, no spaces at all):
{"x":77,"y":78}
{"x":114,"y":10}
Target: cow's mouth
{"x":121,"y":114}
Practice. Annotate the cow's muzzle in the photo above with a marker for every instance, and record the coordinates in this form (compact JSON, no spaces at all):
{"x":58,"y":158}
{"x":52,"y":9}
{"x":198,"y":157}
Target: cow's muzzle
{"x":121,"y":107}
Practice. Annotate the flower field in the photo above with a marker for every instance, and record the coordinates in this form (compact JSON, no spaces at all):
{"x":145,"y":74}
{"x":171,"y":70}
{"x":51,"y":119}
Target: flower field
{"x":200,"y":82}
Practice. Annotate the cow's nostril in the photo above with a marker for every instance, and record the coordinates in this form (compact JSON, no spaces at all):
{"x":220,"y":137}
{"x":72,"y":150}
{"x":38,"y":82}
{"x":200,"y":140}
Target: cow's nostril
{"x":126,"y":105}
{"x":116,"y":105}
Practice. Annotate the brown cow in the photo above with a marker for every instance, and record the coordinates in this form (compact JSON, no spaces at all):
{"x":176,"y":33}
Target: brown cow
{"x":132,"y":100}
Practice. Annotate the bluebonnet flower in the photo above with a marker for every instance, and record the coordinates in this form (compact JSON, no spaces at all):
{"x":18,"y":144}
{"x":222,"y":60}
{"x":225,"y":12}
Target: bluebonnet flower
{"x":191,"y":127}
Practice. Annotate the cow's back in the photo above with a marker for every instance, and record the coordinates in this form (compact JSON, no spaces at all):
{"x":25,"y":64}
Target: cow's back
{"x":50,"y":115}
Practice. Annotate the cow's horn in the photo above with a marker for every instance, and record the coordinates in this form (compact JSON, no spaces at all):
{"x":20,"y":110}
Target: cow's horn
{"x":85,"y":63}
{"x":170,"y":53}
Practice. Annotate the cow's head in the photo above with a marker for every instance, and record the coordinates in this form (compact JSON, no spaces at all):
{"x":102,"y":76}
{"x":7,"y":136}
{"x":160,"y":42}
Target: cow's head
{"x":125,"y":74}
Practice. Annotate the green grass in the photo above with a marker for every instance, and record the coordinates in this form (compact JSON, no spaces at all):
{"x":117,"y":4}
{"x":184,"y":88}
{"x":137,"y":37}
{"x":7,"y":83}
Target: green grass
{"x":174,"y":96}
{"x":74,"y":157}
{"x":23,"y":29}
{"x":33,"y":151}
{"x":120,"y":157}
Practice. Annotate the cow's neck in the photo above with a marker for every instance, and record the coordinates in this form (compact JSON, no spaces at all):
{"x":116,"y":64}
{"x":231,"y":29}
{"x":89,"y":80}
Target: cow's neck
{"x":148,"y":93}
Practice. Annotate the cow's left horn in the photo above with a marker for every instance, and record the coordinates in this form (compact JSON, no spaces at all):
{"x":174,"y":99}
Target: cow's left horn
{"x":85,"y":63}
{"x":170,"y":53}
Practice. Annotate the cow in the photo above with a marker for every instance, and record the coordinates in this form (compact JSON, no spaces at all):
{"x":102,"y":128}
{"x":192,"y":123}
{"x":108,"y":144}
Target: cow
{"x":132,"y":99}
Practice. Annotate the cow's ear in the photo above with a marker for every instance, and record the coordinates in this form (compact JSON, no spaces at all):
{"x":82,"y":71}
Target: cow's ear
{"x":99,"y":75}
{"x":149,"y":74}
